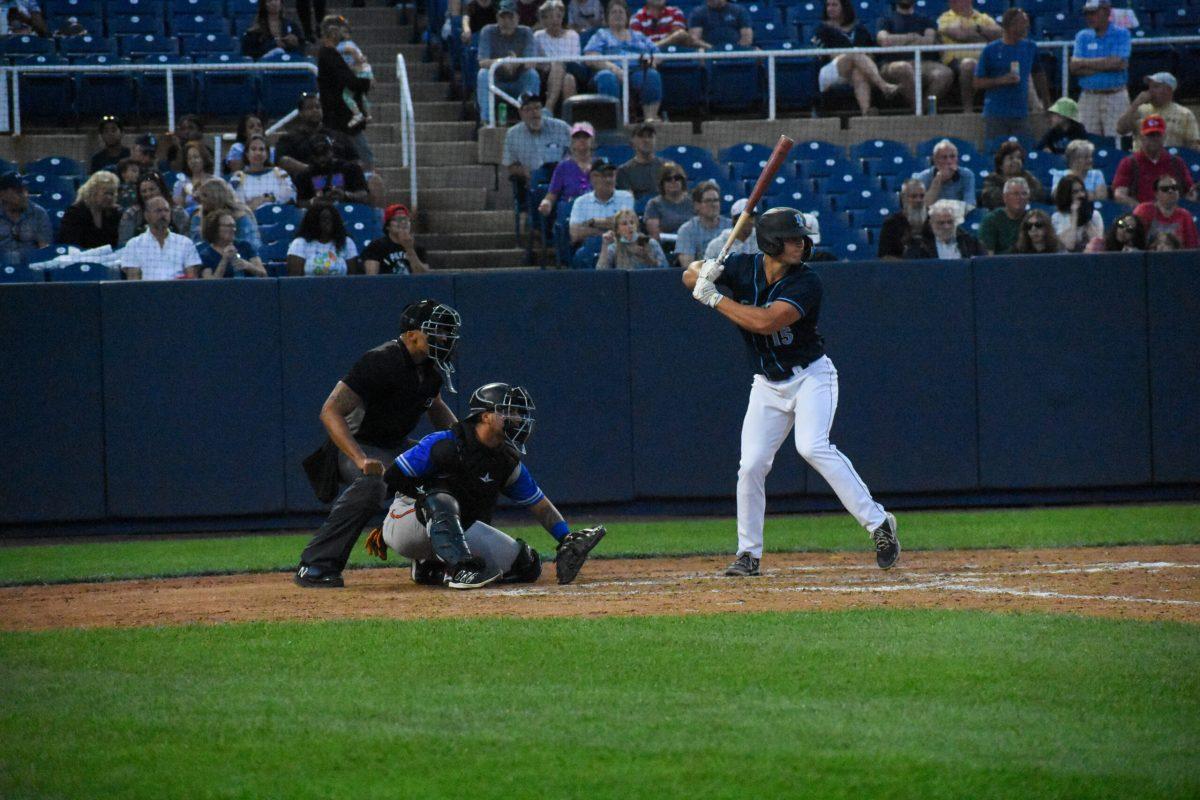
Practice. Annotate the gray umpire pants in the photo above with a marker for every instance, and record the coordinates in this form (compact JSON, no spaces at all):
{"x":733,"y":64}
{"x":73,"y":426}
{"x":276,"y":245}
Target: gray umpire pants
{"x":362,"y":499}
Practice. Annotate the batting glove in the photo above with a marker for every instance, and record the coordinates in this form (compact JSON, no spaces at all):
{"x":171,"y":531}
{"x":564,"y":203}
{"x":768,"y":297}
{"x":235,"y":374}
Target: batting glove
{"x":707,"y":293}
{"x":711,"y":270}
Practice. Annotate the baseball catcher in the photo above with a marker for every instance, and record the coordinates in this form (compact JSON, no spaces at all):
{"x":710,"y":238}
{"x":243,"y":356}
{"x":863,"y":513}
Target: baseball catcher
{"x":447,"y":486}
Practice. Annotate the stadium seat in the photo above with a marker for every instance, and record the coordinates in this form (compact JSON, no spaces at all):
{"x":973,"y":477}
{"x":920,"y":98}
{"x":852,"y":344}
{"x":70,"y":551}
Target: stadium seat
{"x":1055,"y":26}
{"x":1191,"y":158}
{"x":275,"y":252}
{"x":792,"y":194}
{"x":848,"y":244}
{"x":1150,"y":59}
{"x":199,"y":45}
{"x":55,"y":200}
{"x":152,"y":89}
{"x":18,"y":273}
{"x":25,"y":46}
{"x":132,"y":46}
{"x":731,"y":189}
{"x":1025,"y":140}
{"x":745,"y":153}
{"x":734,"y":84}
{"x":80,"y":46}
{"x":131,"y":7}
{"x":362,"y":220}
{"x":859,"y":195}
{"x":54,"y":165}
{"x":227,"y":93}
{"x":240,"y":23}
{"x":879,"y":149}
{"x":770,"y":33}
{"x":67,"y":8}
{"x":795,"y":80}
{"x":83,"y":271}
{"x":99,"y":93}
{"x":684,"y":83}
{"x":1106,"y":158}
{"x":807,"y":11}
{"x":614,"y":153}
{"x":234,"y":7}
{"x":47,"y":253}
{"x":192,"y":24}
{"x":281,"y":88}
{"x":762,"y":11}
{"x":7,"y":166}
{"x":135,"y":24}
{"x":816,"y":149}
{"x":589,"y":250}
{"x":819,"y":168}
{"x":45,"y":95}
{"x":48,"y":184}
{"x":277,"y":214}
{"x":210,"y":8}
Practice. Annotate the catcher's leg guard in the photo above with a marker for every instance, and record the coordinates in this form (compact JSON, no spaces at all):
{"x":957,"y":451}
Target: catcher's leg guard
{"x":527,"y":567}
{"x":445,"y":529}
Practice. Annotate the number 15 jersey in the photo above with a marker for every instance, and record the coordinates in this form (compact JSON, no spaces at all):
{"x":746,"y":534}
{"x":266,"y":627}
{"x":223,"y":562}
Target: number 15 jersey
{"x":795,"y":345}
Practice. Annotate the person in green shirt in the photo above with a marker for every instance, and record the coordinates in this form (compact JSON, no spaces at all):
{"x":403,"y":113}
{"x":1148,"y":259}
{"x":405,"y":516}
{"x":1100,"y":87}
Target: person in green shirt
{"x":999,"y":230}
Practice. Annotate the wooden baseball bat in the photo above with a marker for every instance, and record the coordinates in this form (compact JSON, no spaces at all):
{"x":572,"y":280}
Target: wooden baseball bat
{"x":782,"y":147}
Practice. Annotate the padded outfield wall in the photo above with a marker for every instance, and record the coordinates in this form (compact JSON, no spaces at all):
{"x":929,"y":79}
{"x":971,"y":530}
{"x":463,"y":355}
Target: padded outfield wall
{"x":154,"y":403}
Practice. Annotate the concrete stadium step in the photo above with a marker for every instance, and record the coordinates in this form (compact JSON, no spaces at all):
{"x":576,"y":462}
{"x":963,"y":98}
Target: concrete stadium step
{"x":432,"y":154}
{"x":471,"y":175}
{"x":441,"y":200}
{"x":386,"y":108}
{"x":469,"y":241}
{"x":470,"y":222}
{"x":476,"y":259}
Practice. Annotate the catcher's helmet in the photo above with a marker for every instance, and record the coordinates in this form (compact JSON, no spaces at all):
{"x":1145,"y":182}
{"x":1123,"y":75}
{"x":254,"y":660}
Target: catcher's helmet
{"x":779,"y":225}
{"x":513,"y":403}
{"x":440,"y":323}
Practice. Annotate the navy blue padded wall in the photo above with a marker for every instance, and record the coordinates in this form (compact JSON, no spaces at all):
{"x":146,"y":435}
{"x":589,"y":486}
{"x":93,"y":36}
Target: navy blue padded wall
{"x":901,"y":335}
{"x":327,"y":324}
{"x":192,"y":387}
{"x":565,"y":337}
{"x":1063,"y":396}
{"x":1174,"y":294}
{"x":53,"y":421}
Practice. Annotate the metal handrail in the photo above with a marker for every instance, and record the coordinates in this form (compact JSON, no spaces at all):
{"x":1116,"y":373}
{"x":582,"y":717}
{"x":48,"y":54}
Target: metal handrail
{"x":916,"y":50}
{"x":14,"y":73}
{"x":408,"y":128}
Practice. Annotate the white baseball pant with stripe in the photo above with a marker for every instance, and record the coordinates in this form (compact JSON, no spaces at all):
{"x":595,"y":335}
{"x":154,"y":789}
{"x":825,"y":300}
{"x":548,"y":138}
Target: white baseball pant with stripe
{"x":405,"y":534}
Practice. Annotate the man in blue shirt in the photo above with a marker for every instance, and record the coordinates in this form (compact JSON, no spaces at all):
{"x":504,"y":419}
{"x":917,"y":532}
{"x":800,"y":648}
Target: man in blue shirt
{"x":1101,"y":60}
{"x":24,"y":226}
{"x":718,"y":23}
{"x":1003,"y":72}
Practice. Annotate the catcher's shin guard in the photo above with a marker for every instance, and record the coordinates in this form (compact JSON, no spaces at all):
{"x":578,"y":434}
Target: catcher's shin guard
{"x":527,"y":567}
{"x":445,"y":529}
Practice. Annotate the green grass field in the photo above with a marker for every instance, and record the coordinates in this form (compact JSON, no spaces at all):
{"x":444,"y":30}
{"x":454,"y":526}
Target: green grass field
{"x":849,"y":704}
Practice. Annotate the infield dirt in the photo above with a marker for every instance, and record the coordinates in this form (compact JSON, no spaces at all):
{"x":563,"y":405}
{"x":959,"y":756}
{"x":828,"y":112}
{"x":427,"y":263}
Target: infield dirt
{"x":1156,"y":582}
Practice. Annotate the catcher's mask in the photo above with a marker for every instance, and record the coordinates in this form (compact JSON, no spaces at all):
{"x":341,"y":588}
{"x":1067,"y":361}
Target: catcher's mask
{"x":513,"y":403}
{"x":780,"y":225}
{"x":440,"y":324}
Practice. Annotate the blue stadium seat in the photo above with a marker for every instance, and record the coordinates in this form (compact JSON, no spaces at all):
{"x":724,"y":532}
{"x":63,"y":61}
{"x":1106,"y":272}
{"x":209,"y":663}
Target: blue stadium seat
{"x":732,"y":189}
{"x":745,"y":153}
{"x":190,"y":24}
{"x":362,"y":220}
{"x":99,"y":93}
{"x":54,"y":165}
{"x":879,"y":149}
{"x":7,"y":166}
{"x":130,"y":7}
{"x":208,"y":8}
{"x":826,"y":167}
{"x":45,"y":95}
{"x":278,"y":214}
{"x":795,"y":80}
{"x":25,"y":46}
{"x":199,"y":45}
{"x":589,"y":250}
{"x":56,"y":218}
{"x":47,"y":253}
{"x":281,"y":232}
{"x":615,"y":153}
{"x":235,"y":7}
{"x":152,"y":90}
{"x":1191,"y":158}
{"x":136,"y":23}
{"x":1025,"y":140}
{"x":79,"y":46}
{"x":274,"y":252}
{"x":147,"y":45}
{"x":859,"y":194}
{"x":1106,"y":158}
{"x":67,"y":8}
{"x":873,"y":216}
{"x":761,"y":11}
{"x":848,"y":244}
{"x":734,"y":84}
{"x":684,"y":83}
{"x":1058,"y":25}
{"x":17,"y":273}
{"x":816,"y":149}
{"x":240,"y":23}
{"x":82,"y":271}
{"x":770,"y":33}
{"x":973,"y":219}
{"x":893,"y":172}
{"x":1039,"y":163}
{"x":56,"y":200}
{"x":227,"y":93}
{"x":1147,"y":60}
{"x":48,"y":184}
{"x":281,"y":88}
{"x":806,"y":11}
{"x":689,"y":156}
{"x":793,"y":194}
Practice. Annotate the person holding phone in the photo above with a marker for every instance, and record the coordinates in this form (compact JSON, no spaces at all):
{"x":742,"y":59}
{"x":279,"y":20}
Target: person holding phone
{"x":626,"y":247}
{"x":329,"y":178}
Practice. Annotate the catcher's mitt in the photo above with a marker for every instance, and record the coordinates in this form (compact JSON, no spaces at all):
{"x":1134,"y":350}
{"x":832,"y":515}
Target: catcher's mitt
{"x":573,"y":551}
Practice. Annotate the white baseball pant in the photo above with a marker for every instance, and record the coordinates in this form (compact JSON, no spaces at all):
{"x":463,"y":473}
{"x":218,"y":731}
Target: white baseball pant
{"x":405,"y":534}
{"x":807,"y":400}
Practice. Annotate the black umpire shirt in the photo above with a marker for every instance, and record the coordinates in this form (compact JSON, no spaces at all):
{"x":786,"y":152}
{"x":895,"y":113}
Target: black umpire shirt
{"x":395,"y":392}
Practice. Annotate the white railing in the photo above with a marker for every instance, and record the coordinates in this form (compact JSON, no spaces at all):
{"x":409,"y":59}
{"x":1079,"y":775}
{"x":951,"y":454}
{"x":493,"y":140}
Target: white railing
{"x":14,"y":73}
{"x":408,"y":129}
{"x":770,"y":56}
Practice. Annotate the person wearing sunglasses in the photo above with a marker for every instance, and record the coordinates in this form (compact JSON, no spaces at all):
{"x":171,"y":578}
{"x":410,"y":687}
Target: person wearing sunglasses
{"x":1037,"y":235}
{"x":1164,"y":214}
{"x":1126,"y":235}
{"x":671,"y":207}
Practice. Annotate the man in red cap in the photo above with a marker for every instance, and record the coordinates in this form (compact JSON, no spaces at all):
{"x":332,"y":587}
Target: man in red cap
{"x":395,"y":253}
{"x":1137,"y":174}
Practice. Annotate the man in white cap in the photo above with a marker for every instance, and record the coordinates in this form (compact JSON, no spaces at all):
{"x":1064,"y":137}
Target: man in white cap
{"x":748,"y":243}
{"x":1101,"y":60}
{"x":1159,"y":98}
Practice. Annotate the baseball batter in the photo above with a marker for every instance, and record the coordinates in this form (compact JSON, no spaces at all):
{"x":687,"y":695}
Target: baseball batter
{"x":775,"y":299}
{"x":457,"y":476}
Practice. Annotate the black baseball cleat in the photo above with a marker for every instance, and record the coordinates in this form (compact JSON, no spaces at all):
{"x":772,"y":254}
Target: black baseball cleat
{"x":471,"y":574}
{"x":887,"y":546}
{"x":745,"y":566}
{"x":316,"y":578}
{"x":573,"y":551}
{"x":428,"y":572}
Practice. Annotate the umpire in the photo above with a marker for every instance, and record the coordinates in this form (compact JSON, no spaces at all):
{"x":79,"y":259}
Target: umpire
{"x":383,"y":397}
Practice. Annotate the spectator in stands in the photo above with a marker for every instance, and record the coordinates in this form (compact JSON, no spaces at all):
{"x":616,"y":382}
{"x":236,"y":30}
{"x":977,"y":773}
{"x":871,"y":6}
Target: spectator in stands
{"x":695,"y":234}
{"x":570,"y":178}
{"x":671,"y":207}
{"x":24,"y":226}
{"x":1079,"y":154}
{"x":272,"y":33}
{"x":216,"y":195}
{"x":625,"y":247}
{"x":505,"y":39}
{"x":1164,"y":242}
{"x":1008,"y":71}
{"x":396,"y":252}
{"x":585,"y":15}
{"x":536,"y":140}
{"x":719,"y":22}
{"x":159,"y":254}
{"x":946,"y":180}
{"x":93,"y":219}
{"x":260,"y":182}
{"x":1159,"y":98}
{"x":133,"y":221}
{"x":145,"y":151}
{"x":1037,"y":235}
{"x":25,"y":18}
{"x":249,"y":125}
{"x":748,"y":243}
{"x":1009,"y":163}
{"x":1065,"y":126}
{"x":222,"y":254}
{"x":664,"y":25}
{"x":592,"y":213}
{"x":943,"y":237}
{"x":334,"y":79}
{"x":113,"y":151}
{"x":1101,"y":60}
{"x":322,"y":246}
{"x":906,"y":224}
{"x":1138,"y":174}
{"x":617,"y":39}
{"x":477,"y":15}
{"x":905,"y":26}
{"x":173,"y":145}
{"x":1165,"y":216}
{"x":199,"y":167}
{"x":310,"y":12}
{"x":999,"y":230}
{"x":963,"y":24}
{"x":1125,"y":235}
{"x":128,"y":171}
{"x":356,"y":60}
{"x":640,"y":173}
{"x":329,"y":178}
{"x":562,"y":79}
{"x":294,"y":151}
{"x":1076,"y":222}
{"x":842,"y":29}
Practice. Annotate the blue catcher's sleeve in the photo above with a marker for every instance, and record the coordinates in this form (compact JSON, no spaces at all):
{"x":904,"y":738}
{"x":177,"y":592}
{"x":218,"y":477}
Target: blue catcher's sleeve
{"x":523,"y":490}
{"x":417,"y":461}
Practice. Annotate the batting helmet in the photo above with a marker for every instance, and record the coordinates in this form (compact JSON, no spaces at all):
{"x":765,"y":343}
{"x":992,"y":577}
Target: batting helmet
{"x":513,"y":403}
{"x":781,"y":225}
{"x":440,"y":323}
